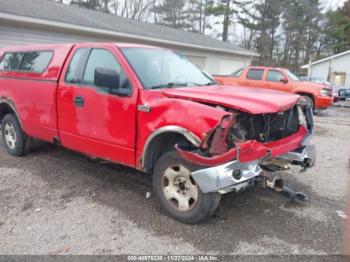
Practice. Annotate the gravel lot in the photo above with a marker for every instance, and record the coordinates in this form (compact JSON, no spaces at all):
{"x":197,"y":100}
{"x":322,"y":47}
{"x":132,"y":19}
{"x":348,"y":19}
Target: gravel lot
{"x":54,"y":201}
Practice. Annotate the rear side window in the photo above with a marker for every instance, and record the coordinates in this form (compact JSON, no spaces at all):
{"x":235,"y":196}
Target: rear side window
{"x":274,"y":76}
{"x":255,"y":74}
{"x":11,"y":61}
{"x":36,"y":61}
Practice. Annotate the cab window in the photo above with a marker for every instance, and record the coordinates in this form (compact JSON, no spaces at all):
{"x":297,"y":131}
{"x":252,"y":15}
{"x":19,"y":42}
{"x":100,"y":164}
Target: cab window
{"x":76,"y":67}
{"x":274,"y":76}
{"x":102,"y":58}
{"x":99,"y":58}
{"x":255,"y":74}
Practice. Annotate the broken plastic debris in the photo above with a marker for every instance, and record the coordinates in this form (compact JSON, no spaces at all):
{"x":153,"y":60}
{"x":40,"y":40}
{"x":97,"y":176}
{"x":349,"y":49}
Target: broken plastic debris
{"x":342,"y":214}
{"x":148,"y":194}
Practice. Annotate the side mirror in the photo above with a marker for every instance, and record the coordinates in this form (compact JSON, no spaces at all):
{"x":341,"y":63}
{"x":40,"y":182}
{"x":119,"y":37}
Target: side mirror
{"x":284,"y":80}
{"x":107,"y":78}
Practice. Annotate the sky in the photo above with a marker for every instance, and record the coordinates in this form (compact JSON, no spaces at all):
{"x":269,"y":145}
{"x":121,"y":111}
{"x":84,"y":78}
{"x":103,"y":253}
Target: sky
{"x":329,"y":3}
{"x":334,"y":4}
{"x":237,"y":31}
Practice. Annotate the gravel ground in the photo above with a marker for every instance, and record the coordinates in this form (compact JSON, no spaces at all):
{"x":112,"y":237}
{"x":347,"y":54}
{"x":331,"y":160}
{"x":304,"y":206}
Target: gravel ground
{"x":54,"y":201}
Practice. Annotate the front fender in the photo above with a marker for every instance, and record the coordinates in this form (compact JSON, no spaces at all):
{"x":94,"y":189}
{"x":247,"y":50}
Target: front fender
{"x":192,"y":119}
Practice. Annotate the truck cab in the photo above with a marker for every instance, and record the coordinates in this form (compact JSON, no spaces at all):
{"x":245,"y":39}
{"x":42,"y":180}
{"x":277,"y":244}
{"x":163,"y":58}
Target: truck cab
{"x":151,"y":109}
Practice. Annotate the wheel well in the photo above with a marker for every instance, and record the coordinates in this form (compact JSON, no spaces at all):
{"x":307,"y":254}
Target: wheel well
{"x":309,"y":95}
{"x":161,"y":144}
{"x":4,"y":110}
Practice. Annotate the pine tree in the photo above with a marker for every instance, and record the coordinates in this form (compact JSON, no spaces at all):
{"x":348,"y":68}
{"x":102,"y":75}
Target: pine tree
{"x":172,"y":13}
{"x":89,"y":4}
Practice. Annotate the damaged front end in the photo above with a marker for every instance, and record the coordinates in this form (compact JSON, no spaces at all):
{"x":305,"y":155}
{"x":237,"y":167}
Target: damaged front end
{"x":243,"y":145}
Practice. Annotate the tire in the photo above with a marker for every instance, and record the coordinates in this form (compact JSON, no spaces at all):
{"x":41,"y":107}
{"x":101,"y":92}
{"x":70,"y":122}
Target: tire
{"x":14,"y":139}
{"x":310,"y":101}
{"x":177,"y":192}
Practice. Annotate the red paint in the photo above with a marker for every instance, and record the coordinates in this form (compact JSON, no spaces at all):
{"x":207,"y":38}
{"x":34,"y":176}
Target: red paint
{"x":296,"y":87}
{"x":248,"y":151}
{"x":111,"y":127}
{"x":249,"y":100}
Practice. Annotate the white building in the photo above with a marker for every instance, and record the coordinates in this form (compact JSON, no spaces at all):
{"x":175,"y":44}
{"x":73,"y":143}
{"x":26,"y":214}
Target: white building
{"x":43,"y":21}
{"x":336,"y":68}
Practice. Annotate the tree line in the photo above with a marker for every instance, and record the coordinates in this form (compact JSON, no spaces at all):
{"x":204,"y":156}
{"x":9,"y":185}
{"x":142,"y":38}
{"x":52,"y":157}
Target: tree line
{"x":285,"y":33}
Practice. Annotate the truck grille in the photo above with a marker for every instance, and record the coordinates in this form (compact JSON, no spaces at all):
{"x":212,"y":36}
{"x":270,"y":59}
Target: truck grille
{"x":265,"y":127}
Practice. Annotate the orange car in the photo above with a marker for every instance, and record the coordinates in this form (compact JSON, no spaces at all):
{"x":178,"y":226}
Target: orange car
{"x":319,"y":96}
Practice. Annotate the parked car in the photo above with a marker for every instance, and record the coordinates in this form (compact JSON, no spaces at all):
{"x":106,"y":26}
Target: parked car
{"x":153,"y":110}
{"x":318,"y":95}
{"x":344,"y":94}
{"x":317,"y":80}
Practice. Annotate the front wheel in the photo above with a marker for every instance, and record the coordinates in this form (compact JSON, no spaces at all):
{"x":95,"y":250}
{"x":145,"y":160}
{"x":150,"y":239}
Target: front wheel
{"x":178,"y":193}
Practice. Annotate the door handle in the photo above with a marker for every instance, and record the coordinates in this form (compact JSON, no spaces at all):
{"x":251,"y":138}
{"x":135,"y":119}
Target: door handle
{"x":79,"y":101}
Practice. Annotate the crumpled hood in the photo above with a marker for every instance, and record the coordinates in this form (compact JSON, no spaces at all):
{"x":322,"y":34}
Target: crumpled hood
{"x":250,"y":100}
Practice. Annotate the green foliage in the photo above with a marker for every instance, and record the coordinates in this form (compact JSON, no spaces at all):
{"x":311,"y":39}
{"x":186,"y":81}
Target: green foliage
{"x":338,"y":29}
{"x":172,"y":13}
{"x":225,"y":9}
{"x":284,"y":32}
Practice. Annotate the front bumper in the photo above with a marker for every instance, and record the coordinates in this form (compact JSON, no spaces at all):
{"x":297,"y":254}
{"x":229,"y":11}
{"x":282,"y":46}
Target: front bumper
{"x":323,"y":102}
{"x":236,"y":176}
{"x":237,"y":169}
{"x":304,"y":156}
{"x":232,"y":176}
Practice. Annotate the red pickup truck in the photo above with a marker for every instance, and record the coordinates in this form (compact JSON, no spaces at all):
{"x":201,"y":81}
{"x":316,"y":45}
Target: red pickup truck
{"x":318,"y":95}
{"x":151,"y":109}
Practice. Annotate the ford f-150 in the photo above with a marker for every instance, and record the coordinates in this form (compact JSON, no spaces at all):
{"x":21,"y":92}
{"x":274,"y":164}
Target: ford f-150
{"x":151,"y":109}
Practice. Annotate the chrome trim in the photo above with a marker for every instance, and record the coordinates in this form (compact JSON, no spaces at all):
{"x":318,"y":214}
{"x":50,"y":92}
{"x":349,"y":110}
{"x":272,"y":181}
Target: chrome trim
{"x":144,"y":108}
{"x":220,"y":178}
{"x":303,"y":156}
{"x":192,"y":138}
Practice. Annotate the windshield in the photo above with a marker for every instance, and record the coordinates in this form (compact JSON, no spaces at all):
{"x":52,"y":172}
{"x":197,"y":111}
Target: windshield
{"x":161,"y":68}
{"x":237,"y":73}
{"x":292,"y":76}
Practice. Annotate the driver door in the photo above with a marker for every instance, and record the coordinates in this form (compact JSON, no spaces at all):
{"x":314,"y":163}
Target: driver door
{"x":274,"y":81}
{"x":90,"y":119}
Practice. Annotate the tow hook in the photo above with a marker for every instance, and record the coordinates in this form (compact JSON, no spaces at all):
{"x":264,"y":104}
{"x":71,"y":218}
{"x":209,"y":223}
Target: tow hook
{"x":276,"y":184}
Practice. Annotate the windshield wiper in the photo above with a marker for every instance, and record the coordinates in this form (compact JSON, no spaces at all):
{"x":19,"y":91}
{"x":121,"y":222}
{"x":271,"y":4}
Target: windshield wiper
{"x":211,"y":83}
{"x":174,"y":84}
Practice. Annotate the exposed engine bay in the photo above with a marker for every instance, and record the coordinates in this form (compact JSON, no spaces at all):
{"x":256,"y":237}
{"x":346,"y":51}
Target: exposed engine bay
{"x":264,"y":128}
{"x":246,"y":137}
{"x":243,"y":146}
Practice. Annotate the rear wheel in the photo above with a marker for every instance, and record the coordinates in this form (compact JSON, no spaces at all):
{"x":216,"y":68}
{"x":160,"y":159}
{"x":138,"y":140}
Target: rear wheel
{"x":178,"y":193}
{"x":15,"y":141}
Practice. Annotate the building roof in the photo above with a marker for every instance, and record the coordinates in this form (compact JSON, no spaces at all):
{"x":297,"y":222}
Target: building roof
{"x":326,"y":59}
{"x":60,"y":15}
